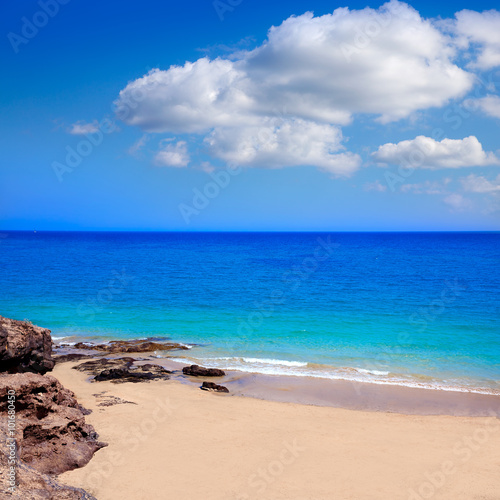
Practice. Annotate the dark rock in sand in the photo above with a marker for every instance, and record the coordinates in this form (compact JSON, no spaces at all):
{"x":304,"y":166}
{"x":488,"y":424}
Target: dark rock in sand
{"x":148,"y":367}
{"x":200,"y":371}
{"x":96,"y":366}
{"x":51,"y":432}
{"x":63,"y":358}
{"x":122,"y":375}
{"x":24,"y":347}
{"x":122,"y":370}
{"x":117,"y":346}
{"x":210,"y":386}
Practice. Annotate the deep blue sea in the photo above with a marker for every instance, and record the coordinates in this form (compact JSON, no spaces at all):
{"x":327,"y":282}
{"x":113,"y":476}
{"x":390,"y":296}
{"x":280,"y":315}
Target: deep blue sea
{"x":416,"y":309}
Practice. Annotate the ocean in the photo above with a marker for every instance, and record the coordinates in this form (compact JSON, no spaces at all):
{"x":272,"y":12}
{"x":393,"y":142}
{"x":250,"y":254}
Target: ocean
{"x":414,"y":309}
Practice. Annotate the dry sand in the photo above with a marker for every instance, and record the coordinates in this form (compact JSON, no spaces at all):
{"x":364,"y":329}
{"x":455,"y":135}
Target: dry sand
{"x":180,"y":442}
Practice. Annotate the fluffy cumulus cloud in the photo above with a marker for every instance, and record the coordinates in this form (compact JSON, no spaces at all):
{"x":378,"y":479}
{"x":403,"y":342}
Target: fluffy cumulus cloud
{"x":191,"y":98}
{"x":288,"y":142}
{"x":388,"y":62}
{"x":315,"y":74}
{"x":172,"y":154}
{"x":481,"y":31}
{"x":425,"y":152}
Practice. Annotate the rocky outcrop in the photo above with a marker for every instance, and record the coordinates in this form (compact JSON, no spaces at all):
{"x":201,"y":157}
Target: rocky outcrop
{"x":210,"y":386}
{"x":118,"y":346}
{"x":24,"y":347}
{"x":51,"y":433}
{"x":122,"y":370}
{"x":96,"y":366}
{"x":31,"y":484}
{"x":200,"y":371}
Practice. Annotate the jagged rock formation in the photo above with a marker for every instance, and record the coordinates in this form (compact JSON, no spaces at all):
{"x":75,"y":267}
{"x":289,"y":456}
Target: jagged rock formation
{"x":50,"y":435}
{"x":51,"y":432}
{"x":117,"y":346}
{"x":32,"y":484}
{"x":24,"y":347}
{"x":122,"y":370}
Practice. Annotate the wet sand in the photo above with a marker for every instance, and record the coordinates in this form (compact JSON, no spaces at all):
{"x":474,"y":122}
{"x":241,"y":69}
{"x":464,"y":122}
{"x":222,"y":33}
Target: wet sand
{"x":348,"y":394}
{"x":177,"y":441}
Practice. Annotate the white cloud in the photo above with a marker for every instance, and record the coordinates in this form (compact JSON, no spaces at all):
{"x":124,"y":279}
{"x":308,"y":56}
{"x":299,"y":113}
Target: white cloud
{"x":479,"y":184}
{"x":321,"y":71}
{"x":190,"y":98}
{"x":172,"y":154}
{"x":83,"y":128}
{"x":375,"y":186}
{"x":389,"y":62}
{"x":481,"y":29}
{"x":290,"y":142}
{"x":457,"y":202}
{"x":489,"y":105}
{"x":425,"y":152}
{"x":315,"y":68}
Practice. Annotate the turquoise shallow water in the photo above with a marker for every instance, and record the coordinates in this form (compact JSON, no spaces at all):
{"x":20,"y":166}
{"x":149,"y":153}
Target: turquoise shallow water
{"x":406,"y":308}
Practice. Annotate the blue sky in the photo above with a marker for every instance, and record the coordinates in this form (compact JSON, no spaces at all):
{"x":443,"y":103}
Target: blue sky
{"x":194,"y":116}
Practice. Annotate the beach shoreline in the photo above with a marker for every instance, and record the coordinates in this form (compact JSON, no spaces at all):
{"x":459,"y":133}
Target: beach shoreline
{"x":339,"y":393}
{"x":357,"y":372}
{"x":169,"y":440}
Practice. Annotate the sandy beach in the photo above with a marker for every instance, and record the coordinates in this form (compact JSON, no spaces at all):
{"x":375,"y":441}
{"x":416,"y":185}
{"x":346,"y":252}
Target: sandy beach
{"x":169,"y":440}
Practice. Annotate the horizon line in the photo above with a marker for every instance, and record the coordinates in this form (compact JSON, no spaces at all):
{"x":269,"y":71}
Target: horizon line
{"x":35,"y":231}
